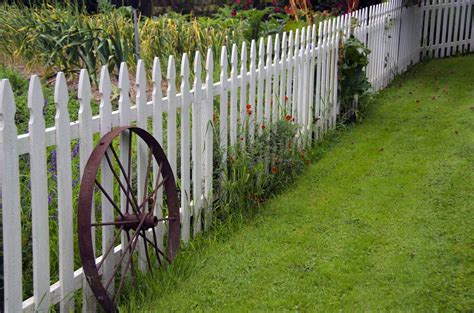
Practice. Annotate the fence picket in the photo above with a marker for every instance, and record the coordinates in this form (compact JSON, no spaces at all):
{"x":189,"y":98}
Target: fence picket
{"x":209,"y":136}
{"x":197,"y":145}
{"x":223,"y":130}
{"x":252,"y":79}
{"x":64,"y":179}
{"x":85,"y":149}
{"x":260,"y":81}
{"x":268,"y":82}
{"x":185,"y":150}
{"x":276,"y":79}
{"x":157,"y":122}
{"x":39,"y":196}
{"x":10,"y":203}
{"x":243,"y":88}
{"x":233,"y":96}
{"x":125,"y":120}
{"x":106,"y":175}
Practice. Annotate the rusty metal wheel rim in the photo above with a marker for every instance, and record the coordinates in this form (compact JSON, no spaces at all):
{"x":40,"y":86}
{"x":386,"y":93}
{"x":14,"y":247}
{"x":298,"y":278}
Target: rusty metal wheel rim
{"x":134,"y":218}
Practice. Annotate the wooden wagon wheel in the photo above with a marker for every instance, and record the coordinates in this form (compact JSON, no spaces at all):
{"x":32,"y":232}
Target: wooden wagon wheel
{"x":135,"y":222}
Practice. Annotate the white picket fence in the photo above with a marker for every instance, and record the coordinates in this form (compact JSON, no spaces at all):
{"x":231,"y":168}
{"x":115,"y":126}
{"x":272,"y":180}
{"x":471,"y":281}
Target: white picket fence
{"x":295,"y":73}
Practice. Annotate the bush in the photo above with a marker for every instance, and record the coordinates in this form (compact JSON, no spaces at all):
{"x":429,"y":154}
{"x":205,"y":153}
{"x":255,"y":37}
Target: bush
{"x":353,"y":83}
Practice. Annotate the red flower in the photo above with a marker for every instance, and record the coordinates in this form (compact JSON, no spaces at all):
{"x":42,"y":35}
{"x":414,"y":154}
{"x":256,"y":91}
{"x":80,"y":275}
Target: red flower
{"x":277,"y":10}
{"x":263,"y":126}
{"x":288,"y":118}
{"x":274,"y":2}
{"x":274,"y":170}
{"x":241,"y":138}
{"x":286,"y":98}
{"x":249,"y":109}
{"x":237,"y":2}
{"x":234,"y":12}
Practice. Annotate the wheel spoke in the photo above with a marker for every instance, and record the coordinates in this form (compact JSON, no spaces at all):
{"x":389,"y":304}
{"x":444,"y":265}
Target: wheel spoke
{"x":147,"y":176}
{"x":152,"y":194}
{"x":156,"y":248}
{"x":156,"y":245}
{"x":119,"y":180}
{"x":109,"y":198}
{"x":110,"y":248}
{"x":129,"y":263}
{"x":129,"y":188}
{"x":146,"y":250}
{"x":130,"y":247}
{"x":157,"y":179}
{"x":127,"y":179}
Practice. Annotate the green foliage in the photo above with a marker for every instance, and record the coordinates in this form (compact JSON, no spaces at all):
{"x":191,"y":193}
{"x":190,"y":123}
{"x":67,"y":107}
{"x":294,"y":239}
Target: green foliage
{"x":259,"y":169}
{"x":63,"y":37}
{"x":353,"y":58}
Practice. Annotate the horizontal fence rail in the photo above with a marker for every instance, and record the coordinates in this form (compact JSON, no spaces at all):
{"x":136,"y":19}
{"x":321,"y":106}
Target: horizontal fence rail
{"x":293,"y":74}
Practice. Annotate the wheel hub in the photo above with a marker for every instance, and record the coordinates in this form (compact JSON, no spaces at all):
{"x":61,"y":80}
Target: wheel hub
{"x":132,"y":221}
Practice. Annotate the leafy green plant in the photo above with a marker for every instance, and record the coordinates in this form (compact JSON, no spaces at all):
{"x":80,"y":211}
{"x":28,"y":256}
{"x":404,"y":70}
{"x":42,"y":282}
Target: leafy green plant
{"x":353,"y":83}
{"x":257,"y":170}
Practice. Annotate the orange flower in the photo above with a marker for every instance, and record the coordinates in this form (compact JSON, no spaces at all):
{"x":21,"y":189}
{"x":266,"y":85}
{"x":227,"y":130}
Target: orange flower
{"x":249,"y":109}
{"x":288,"y":118}
{"x":263,"y":126}
{"x":274,"y":170}
{"x":286,"y":98}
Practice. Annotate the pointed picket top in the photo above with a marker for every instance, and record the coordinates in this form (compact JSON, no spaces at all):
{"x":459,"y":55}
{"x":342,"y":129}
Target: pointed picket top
{"x":141,"y":78}
{"x":284,"y":45}
{"x":303,"y":37}
{"x":269,"y":55}
{"x":35,"y":100}
{"x":320,"y":33}
{"x":61,"y":97}
{"x":124,"y":80}
{"x":7,"y":105}
{"x":233,"y":59}
{"x":171,"y":73}
{"x":243,"y":59}
{"x":84,"y":94}
{"x":209,"y":69}
{"x":261,"y":52}
{"x":297,"y":41}
{"x":308,"y":36}
{"x":290,"y":43}
{"x":197,"y":67}
{"x":277,"y":47}
{"x":253,"y":52}
{"x":156,"y":74}
{"x":104,"y":85}
{"x":184,"y":70}
{"x":223,"y":64}
{"x":313,"y":39}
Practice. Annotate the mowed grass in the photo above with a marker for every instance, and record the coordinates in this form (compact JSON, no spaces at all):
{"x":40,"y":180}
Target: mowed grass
{"x":383,"y":221}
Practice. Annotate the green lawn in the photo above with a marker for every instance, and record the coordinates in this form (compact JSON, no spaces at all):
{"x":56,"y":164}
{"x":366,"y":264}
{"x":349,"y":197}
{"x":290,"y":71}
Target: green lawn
{"x":384,"y":220}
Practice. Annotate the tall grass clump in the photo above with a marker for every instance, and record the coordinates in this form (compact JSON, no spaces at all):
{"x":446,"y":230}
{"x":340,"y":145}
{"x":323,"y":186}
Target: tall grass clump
{"x":64,"y":37}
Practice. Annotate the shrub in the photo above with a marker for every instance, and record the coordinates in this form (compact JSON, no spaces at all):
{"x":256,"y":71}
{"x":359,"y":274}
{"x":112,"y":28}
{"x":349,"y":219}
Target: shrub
{"x":353,"y":83}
